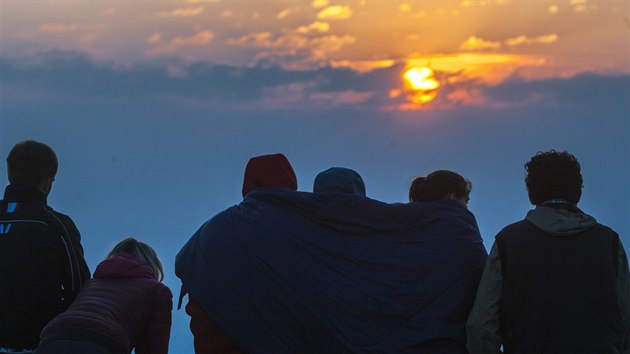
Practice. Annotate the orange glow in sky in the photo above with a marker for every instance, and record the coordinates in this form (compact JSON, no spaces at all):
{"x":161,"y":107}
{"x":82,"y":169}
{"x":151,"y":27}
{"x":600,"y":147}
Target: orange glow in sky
{"x":421,"y":83}
{"x":483,"y":42}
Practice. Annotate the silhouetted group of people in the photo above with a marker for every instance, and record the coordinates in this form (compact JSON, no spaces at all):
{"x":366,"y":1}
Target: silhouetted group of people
{"x":332,"y":271}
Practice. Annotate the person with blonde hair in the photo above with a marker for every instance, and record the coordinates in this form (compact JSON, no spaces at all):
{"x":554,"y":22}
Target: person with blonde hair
{"x":125,"y":306}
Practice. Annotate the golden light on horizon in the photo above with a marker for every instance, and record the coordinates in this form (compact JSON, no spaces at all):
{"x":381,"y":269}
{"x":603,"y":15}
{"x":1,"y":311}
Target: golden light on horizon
{"x":421,"y":83}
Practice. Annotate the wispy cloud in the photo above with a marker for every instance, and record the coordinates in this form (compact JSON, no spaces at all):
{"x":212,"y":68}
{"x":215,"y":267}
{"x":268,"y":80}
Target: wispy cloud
{"x":363,"y":66}
{"x":283,"y":14}
{"x":336,"y":12}
{"x":162,"y":46}
{"x":521,"y":40}
{"x":579,"y":5}
{"x":315,"y":26}
{"x":476,"y":43}
{"x":318,"y":4}
{"x":182,"y":12}
{"x":404,"y":7}
{"x":57,"y":27}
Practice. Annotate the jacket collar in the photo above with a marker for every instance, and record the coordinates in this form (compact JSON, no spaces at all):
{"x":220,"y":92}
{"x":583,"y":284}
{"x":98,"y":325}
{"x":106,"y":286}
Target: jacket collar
{"x":24,"y":193}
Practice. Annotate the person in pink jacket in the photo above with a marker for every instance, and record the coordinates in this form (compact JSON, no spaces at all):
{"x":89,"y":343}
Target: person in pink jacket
{"x":124,"y":306}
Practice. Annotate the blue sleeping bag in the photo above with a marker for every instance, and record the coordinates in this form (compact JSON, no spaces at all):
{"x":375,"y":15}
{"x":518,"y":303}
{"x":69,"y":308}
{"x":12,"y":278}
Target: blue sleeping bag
{"x":297,"y":272}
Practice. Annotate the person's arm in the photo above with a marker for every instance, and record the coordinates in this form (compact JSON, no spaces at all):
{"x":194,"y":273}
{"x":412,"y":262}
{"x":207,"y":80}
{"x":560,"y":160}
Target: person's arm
{"x":483,"y":326}
{"x":623,"y":292}
{"x":157,"y":335}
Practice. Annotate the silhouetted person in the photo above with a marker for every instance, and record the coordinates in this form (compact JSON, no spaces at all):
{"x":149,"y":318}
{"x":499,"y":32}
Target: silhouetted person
{"x":556,"y":282}
{"x":124,"y":307}
{"x":339,"y":180}
{"x":271,"y":171}
{"x":42,"y":267}
{"x":440,"y":185}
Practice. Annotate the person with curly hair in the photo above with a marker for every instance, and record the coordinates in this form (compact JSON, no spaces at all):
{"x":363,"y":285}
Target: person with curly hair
{"x":557,"y":281}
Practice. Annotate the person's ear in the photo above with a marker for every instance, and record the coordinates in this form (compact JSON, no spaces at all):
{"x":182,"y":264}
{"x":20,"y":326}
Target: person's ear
{"x":46,"y":186}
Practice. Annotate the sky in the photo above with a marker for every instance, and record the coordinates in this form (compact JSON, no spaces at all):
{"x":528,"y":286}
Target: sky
{"x":154,"y":108}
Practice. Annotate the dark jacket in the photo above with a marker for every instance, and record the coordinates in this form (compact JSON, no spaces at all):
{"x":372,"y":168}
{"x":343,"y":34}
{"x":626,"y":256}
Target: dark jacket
{"x":42,"y":267}
{"x":556,"y":282}
{"x":293,"y":272}
{"x":122,"y":307}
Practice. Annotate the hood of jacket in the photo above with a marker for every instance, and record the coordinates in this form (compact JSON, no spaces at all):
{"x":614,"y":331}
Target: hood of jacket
{"x":339,"y":180}
{"x":560,"y":221}
{"x":123,"y":266}
{"x":269,"y":171}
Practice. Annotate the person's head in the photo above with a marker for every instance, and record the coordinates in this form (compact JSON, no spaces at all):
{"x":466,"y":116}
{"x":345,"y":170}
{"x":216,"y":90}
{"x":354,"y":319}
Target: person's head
{"x":553,"y":175}
{"x":269,"y":171}
{"x":33,"y":164}
{"x":339,"y":180}
{"x":141,"y":250}
{"x":439,"y":185}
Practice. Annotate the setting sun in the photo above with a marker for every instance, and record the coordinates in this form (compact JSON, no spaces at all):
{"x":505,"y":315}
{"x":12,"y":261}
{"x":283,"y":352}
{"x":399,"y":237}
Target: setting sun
{"x":422,"y":84}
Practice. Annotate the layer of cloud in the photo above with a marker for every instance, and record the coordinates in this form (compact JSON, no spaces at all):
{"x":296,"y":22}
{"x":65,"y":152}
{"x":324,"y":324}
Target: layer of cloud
{"x":162,"y":46}
{"x":57,"y":27}
{"x":521,"y":40}
{"x":74,"y":77}
{"x":474,"y":43}
{"x":182,"y":12}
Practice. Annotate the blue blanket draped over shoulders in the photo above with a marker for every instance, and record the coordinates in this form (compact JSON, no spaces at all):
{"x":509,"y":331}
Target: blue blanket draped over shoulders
{"x":287,"y":272}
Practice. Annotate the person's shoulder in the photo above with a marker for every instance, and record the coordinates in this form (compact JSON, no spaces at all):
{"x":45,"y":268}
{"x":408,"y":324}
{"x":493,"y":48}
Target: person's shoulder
{"x":514,"y":228}
{"x":60,"y":217}
{"x":604,"y":230}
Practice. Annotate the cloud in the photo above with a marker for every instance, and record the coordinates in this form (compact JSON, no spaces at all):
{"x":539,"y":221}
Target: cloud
{"x":182,"y":12}
{"x":315,"y":26}
{"x":155,"y":38}
{"x":336,"y":12}
{"x":520,"y":40}
{"x":553,"y":9}
{"x":163,"y":47}
{"x":363,"y":66}
{"x":318,"y":4}
{"x":226,"y":14}
{"x":283,"y":14}
{"x":476,"y":43}
{"x":57,"y":27}
{"x":305,"y":46}
{"x":579,"y":5}
{"x":404,"y":7}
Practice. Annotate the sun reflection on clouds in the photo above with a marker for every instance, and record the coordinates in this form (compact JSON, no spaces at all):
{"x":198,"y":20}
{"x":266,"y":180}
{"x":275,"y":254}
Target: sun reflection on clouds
{"x":336,"y":12}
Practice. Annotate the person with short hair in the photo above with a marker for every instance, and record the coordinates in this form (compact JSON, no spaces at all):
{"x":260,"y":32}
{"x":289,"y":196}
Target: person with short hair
{"x":439,"y":185}
{"x":124,"y":307}
{"x":557,"y":281}
{"x":42,"y":267}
